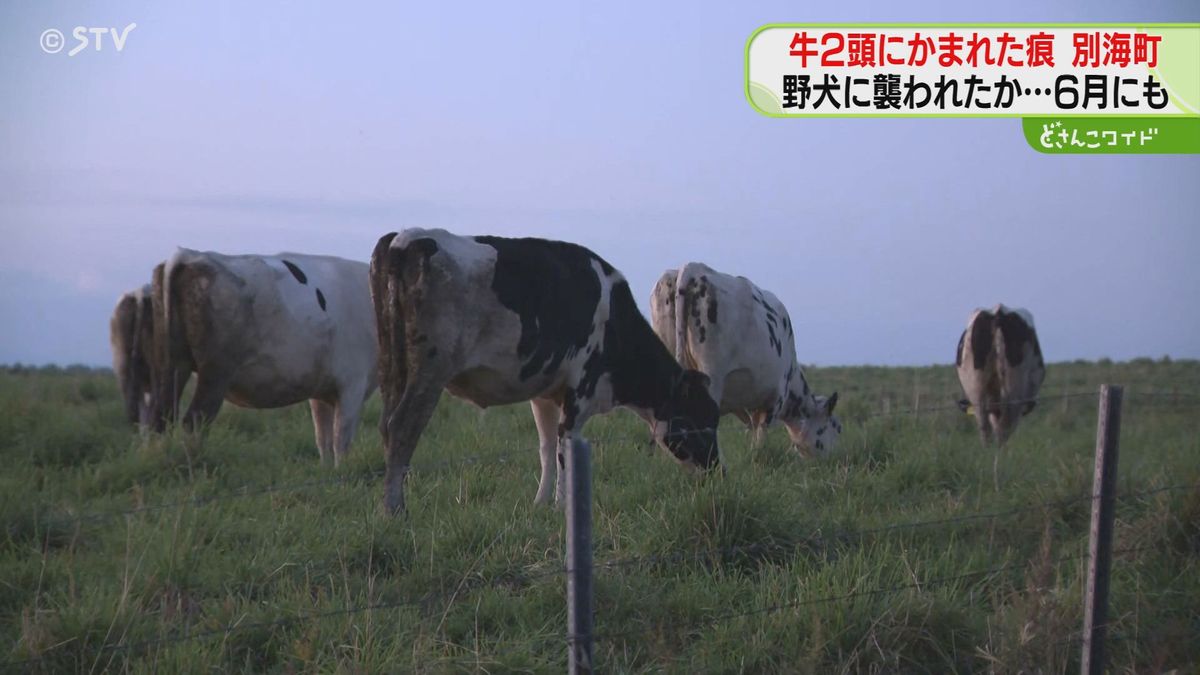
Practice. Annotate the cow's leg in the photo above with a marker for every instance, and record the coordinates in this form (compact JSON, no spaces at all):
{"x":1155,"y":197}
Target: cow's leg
{"x":404,"y":427}
{"x":145,"y":410}
{"x":801,"y":444}
{"x":167,"y":408}
{"x":983,"y":421}
{"x":758,"y":421}
{"x":206,"y":401}
{"x":322,"y":417}
{"x":132,"y":399}
{"x":748,"y":421}
{"x":545,"y":416}
{"x":1006,"y":422}
{"x":347,"y":413}
{"x":996,"y":423}
{"x":387,"y":407}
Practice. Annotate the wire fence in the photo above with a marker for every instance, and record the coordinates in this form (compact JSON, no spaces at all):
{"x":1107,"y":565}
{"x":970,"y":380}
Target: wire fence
{"x":188,"y":634}
{"x":920,"y":410}
{"x":828,"y":538}
{"x":246,"y":491}
{"x":259,"y":490}
{"x":241,"y":625}
{"x":1046,"y":398}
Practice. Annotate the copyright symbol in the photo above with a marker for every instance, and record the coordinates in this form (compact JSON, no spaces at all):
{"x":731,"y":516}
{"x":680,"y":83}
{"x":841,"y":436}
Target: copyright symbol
{"x":52,"y":41}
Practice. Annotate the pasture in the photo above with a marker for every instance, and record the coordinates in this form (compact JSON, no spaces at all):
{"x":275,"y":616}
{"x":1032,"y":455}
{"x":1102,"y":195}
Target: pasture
{"x":243,"y":553}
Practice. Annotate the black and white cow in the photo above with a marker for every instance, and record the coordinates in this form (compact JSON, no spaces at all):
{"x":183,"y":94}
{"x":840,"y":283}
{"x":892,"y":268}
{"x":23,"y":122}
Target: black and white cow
{"x":497,"y":321}
{"x":742,"y":337}
{"x":131,"y":335}
{"x":1000,"y":367}
{"x":265,"y":332}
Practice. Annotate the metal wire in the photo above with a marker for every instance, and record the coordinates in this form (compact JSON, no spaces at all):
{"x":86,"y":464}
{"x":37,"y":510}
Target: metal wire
{"x":674,"y":556}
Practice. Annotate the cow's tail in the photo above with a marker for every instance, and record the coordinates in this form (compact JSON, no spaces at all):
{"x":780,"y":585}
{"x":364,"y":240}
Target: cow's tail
{"x":122,"y":333}
{"x":1019,"y":376}
{"x":389,"y":325}
{"x":172,"y":311}
{"x":998,"y":360}
{"x":169,"y":336}
{"x":683,"y":303}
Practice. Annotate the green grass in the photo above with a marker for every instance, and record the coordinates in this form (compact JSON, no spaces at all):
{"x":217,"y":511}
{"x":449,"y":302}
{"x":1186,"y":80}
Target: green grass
{"x":160,"y":544}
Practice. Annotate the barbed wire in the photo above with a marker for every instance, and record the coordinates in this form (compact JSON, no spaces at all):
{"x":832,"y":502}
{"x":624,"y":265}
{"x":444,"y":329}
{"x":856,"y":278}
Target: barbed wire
{"x":956,"y":406}
{"x":505,"y":577}
{"x":258,"y":490}
{"x":844,"y":536}
{"x":498,"y":458}
{"x":937,"y":581}
{"x":237,"y":626}
{"x":1047,"y":398}
{"x":188,"y":635}
{"x":1112,"y":636}
{"x":524,"y":575}
{"x":1165,"y":394}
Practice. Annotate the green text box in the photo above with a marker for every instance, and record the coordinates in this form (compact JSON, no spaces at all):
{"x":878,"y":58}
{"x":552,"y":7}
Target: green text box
{"x":1113,"y":135}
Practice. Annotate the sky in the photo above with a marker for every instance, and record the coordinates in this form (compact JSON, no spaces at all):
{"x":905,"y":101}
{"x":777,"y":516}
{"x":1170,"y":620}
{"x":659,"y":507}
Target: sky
{"x":317,"y":127}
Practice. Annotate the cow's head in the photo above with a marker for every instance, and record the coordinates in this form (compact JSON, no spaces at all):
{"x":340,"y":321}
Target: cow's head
{"x":819,"y":429}
{"x":689,"y":422}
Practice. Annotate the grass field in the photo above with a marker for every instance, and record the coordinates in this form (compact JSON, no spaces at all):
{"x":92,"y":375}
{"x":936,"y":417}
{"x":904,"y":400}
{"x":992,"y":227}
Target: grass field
{"x":129,"y":554}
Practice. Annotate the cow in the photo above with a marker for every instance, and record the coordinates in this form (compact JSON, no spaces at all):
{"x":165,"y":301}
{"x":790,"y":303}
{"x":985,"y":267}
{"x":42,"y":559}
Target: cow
{"x":497,"y":321}
{"x":742,"y":337}
{"x":1000,"y":368}
{"x":266,"y":331}
{"x":131,"y":336}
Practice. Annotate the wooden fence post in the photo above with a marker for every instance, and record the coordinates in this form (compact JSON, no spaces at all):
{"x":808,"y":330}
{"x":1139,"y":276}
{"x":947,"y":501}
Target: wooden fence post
{"x":1104,"y":488}
{"x":579,"y":557}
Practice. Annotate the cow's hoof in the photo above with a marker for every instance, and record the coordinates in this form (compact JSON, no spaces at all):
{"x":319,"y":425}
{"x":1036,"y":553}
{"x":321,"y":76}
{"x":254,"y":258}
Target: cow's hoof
{"x":393,"y":505}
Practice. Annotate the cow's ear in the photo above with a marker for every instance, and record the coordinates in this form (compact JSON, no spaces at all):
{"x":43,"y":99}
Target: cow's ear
{"x":829,"y":404}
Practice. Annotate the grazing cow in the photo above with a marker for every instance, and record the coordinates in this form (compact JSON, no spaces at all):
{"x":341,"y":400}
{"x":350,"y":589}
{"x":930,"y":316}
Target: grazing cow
{"x":742,"y":338}
{"x":131,"y":335}
{"x":1000,"y":368}
{"x":497,"y":321}
{"x":265,"y":332}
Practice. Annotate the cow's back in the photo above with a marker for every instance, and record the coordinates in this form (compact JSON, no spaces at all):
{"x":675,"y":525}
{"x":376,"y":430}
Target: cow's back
{"x":288,"y":327}
{"x":510,"y":318}
{"x":999,"y":357}
{"x":1018,"y":354}
{"x":735,"y":332}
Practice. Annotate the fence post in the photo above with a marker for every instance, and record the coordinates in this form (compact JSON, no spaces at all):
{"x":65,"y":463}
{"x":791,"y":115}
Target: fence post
{"x":579,"y":557}
{"x":917,"y":395}
{"x":1104,"y":487}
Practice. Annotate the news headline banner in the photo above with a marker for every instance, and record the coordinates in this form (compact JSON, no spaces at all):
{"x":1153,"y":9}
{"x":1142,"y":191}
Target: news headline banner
{"x":1080,"y":88}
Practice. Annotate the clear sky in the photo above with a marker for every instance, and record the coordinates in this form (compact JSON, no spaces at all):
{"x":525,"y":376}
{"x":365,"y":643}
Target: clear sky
{"x":317,"y":127}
